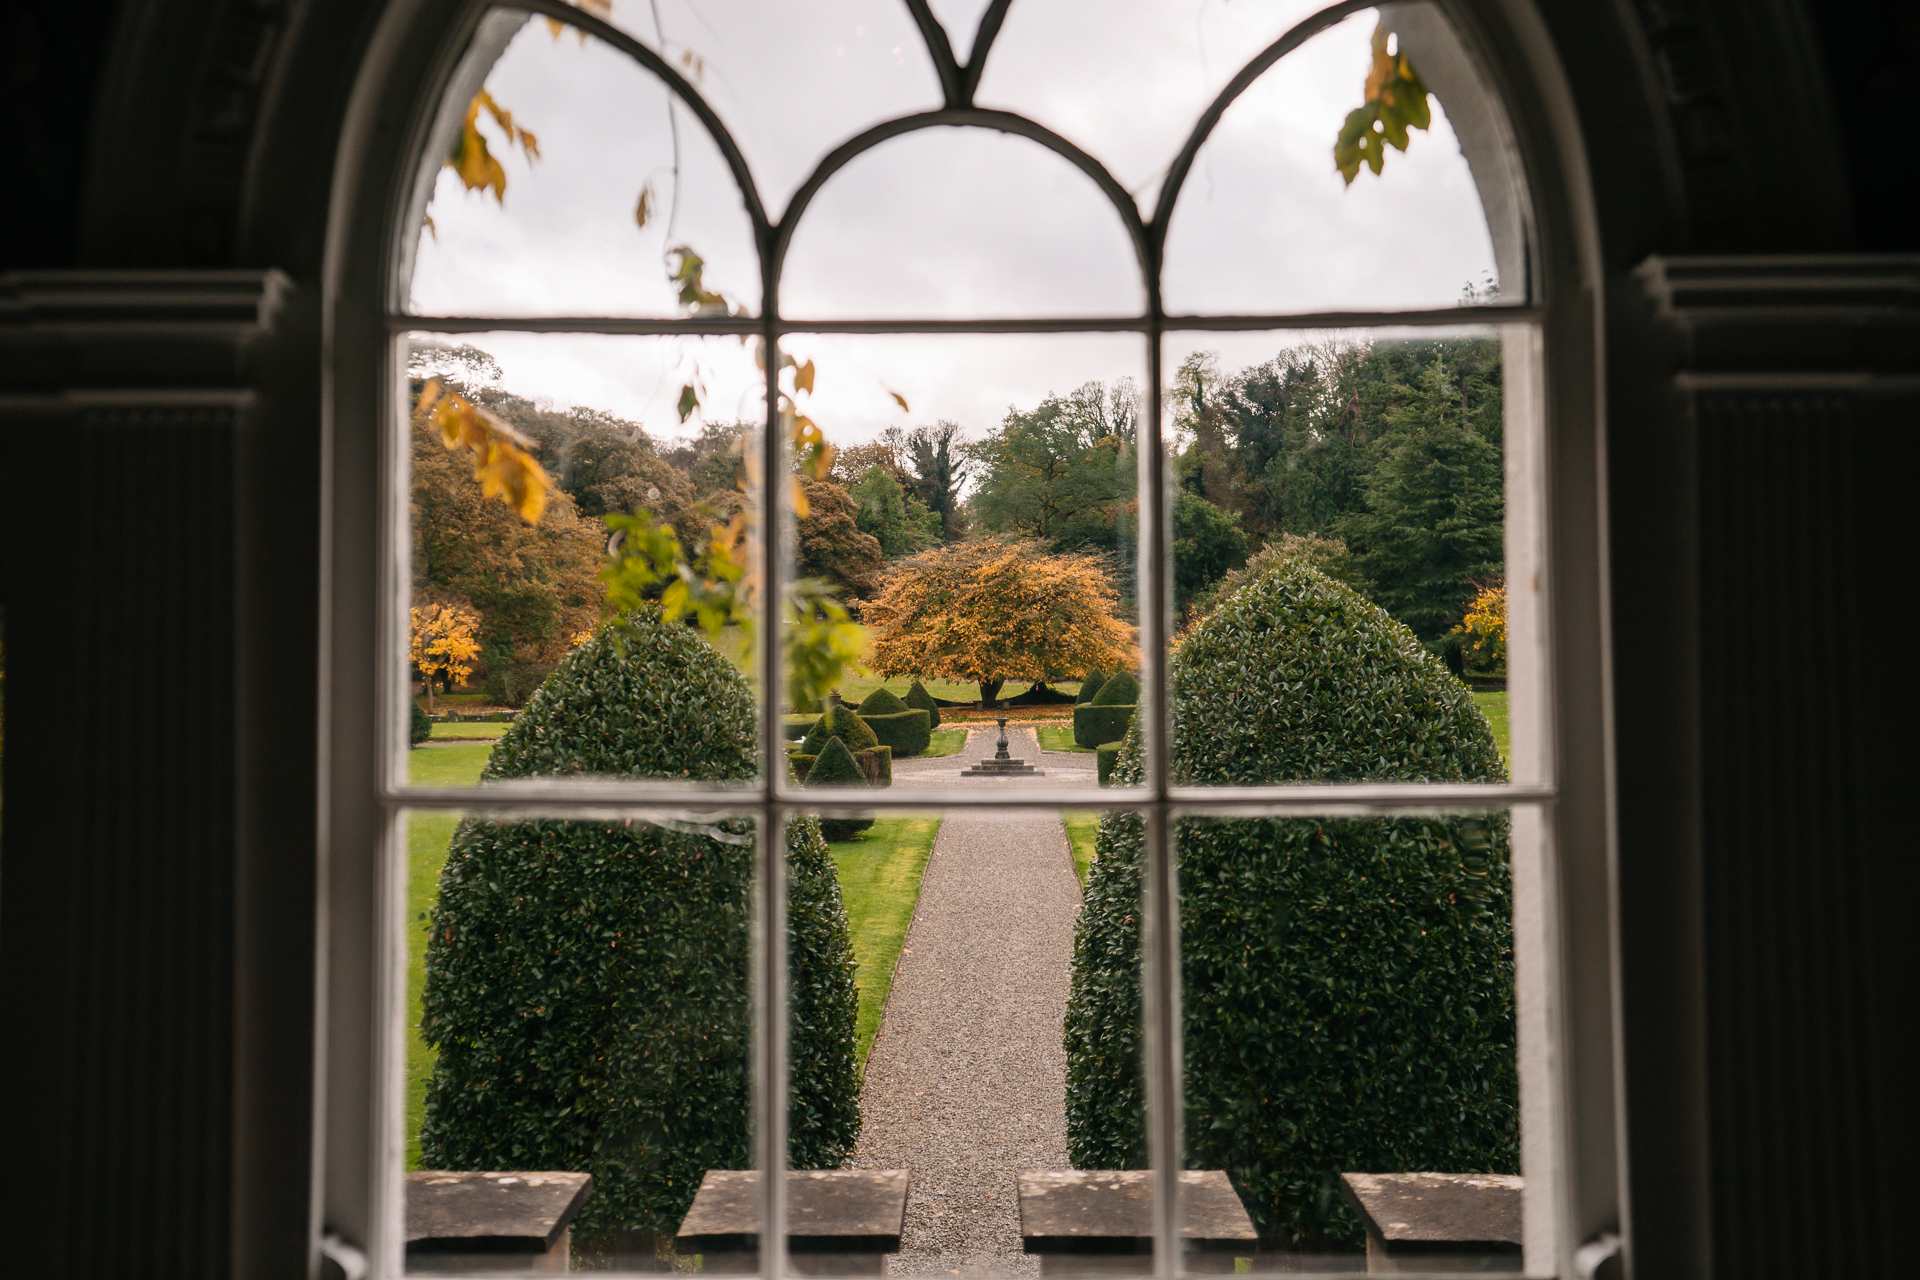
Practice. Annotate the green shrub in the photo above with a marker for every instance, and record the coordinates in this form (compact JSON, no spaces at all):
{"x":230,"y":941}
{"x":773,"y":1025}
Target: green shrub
{"x":1103,"y":757}
{"x":795,"y":730}
{"x":908,"y":733}
{"x":836,"y":768}
{"x":881,"y":702}
{"x":1348,"y":998}
{"x":1118,"y":690}
{"x":588,"y":983}
{"x":839,"y":722}
{"x":920,"y":700}
{"x":419,"y":728}
{"x":1094,"y":724}
{"x":801,"y":765}
{"x":1090,"y":686}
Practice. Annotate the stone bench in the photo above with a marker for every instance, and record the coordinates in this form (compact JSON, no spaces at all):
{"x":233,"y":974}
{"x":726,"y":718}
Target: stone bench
{"x":1082,"y":1222}
{"x":840,"y":1222}
{"x":491,"y":1221}
{"x":1438,"y":1221}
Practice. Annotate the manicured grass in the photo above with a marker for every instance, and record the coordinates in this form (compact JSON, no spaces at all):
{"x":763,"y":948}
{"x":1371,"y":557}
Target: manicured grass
{"x":468,"y":730}
{"x":427,"y":837}
{"x":457,"y":764}
{"x":946,"y":742}
{"x":1059,"y":737}
{"x":1082,"y":825}
{"x":1494,"y":707}
{"x":880,"y":885}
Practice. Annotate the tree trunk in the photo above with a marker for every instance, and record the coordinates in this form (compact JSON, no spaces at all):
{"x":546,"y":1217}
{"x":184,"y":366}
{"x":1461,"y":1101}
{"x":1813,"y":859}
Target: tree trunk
{"x":989,"y":690}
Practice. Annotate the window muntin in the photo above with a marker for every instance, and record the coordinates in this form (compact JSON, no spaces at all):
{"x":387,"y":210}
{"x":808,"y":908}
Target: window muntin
{"x":1151,"y":802}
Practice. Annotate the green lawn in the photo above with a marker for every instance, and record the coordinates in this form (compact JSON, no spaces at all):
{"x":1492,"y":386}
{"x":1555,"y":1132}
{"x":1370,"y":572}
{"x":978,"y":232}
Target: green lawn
{"x":458,"y":765}
{"x":946,"y":742}
{"x":469,"y":730}
{"x":1059,"y":737}
{"x":1082,"y":825}
{"x":880,"y":885}
{"x":1494,"y":707}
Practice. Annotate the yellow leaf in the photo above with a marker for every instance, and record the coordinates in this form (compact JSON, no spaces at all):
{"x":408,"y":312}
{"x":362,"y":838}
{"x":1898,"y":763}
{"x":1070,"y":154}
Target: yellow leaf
{"x":901,"y":401}
{"x":803,"y":377}
{"x":643,"y":211}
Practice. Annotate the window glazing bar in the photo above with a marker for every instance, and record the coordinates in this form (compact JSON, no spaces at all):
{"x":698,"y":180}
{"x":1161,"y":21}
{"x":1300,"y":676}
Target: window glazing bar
{"x":669,"y":326}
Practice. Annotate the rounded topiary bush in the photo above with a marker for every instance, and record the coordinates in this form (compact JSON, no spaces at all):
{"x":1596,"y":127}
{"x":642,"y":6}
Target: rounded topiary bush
{"x":1091,"y":685}
{"x":882,"y":702}
{"x":1118,"y":690}
{"x":587,"y":982}
{"x":1347,"y":983}
{"x":839,"y":722}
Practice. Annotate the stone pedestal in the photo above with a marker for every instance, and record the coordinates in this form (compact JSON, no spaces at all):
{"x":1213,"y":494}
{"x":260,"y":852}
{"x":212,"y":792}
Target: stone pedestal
{"x":486,"y":1222}
{"x":1002,"y":765}
{"x":1438,"y":1221}
{"x":840,"y":1222}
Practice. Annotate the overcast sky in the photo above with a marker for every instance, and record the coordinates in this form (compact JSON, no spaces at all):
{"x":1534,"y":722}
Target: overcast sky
{"x":949,"y":223}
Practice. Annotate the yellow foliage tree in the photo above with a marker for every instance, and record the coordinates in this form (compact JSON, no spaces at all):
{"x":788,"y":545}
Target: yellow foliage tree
{"x":989,"y":611}
{"x":1484,"y":629}
{"x":444,"y":641}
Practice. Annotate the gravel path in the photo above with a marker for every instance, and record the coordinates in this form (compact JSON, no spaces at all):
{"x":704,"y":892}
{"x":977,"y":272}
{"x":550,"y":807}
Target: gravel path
{"x":966,"y":1085}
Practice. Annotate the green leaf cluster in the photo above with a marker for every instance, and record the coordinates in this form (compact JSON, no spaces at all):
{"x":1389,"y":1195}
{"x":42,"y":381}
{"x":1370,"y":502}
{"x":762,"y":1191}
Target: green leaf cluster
{"x":587,"y":982}
{"x":1348,"y":983}
{"x":1396,"y":101}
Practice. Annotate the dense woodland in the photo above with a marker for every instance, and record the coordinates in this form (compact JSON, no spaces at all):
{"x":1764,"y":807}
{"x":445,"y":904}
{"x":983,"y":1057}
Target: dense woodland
{"x":1384,"y":457}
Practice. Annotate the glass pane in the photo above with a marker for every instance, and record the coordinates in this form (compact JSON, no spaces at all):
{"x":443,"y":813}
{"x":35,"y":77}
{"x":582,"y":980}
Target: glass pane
{"x":1266,"y":223}
{"x":1349,"y":1050}
{"x":513,"y":637}
{"x":978,"y":514}
{"x":579,"y":1004}
{"x":789,"y":81}
{"x":562,"y":232}
{"x":960,"y":223}
{"x":1127,"y":79}
{"x":1339,"y":533}
{"x":962,"y":928}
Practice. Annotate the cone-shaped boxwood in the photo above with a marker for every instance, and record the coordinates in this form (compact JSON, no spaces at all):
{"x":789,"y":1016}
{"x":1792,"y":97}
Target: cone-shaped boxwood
{"x":836,"y":768}
{"x":1090,"y":686}
{"x":1348,"y":983}
{"x":587,"y":982}
{"x":882,"y":702}
{"x":842,"y":723}
{"x":920,"y":700}
{"x":1118,"y":690}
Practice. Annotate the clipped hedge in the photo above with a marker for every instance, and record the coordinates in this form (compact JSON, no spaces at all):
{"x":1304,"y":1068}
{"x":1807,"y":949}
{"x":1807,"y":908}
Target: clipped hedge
{"x":909,"y":733}
{"x":1348,"y":996}
{"x":920,"y":700}
{"x":1090,"y":686}
{"x":836,"y":767}
{"x":1103,"y":757}
{"x":419,"y":726}
{"x":1118,"y":690}
{"x":1094,"y":724}
{"x":587,"y":982}
{"x":881,"y":702}
{"x":840,"y":722}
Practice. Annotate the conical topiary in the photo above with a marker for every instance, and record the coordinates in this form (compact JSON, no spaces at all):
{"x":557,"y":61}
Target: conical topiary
{"x":883,"y":702}
{"x":588,"y":983}
{"x":836,"y":768}
{"x":1348,"y":981}
{"x":1118,"y":690}
{"x":920,"y":700}
{"x":843,"y":723}
{"x":1091,"y":685}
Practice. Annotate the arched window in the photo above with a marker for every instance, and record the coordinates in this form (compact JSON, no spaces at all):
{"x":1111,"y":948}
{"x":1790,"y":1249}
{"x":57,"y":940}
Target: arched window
{"x":1082,"y":307}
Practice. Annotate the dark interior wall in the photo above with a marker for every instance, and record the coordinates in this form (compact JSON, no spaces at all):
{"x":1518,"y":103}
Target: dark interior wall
{"x":157,"y":902}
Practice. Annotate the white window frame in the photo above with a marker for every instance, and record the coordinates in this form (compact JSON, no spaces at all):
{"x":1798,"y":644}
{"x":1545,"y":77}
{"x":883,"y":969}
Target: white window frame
{"x":1562,"y":806}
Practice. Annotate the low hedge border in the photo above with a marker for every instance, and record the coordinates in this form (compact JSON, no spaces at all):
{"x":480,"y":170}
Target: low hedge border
{"x":909,"y":733}
{"x":1094,"y":724}
{"x":1103,"y":757}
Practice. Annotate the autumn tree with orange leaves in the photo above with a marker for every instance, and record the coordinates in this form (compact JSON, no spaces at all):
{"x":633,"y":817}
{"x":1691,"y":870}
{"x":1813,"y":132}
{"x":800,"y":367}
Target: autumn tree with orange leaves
{"x":989,"y":611}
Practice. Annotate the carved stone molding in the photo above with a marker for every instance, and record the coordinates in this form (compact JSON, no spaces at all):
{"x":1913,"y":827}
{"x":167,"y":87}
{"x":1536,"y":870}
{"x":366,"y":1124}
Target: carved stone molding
{"x":133,"y":336}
